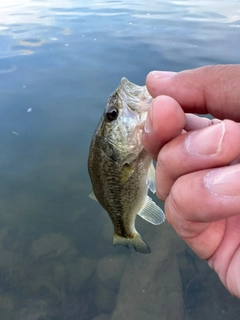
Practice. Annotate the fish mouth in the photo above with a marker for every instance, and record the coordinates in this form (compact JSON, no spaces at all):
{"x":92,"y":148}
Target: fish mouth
{"x":134,"y":95}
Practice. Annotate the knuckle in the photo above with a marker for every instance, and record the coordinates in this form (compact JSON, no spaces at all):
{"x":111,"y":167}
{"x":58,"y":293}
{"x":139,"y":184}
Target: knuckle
{"x":163,"y":177}
{"x":163,"y":160}
{"x":176,"y":214}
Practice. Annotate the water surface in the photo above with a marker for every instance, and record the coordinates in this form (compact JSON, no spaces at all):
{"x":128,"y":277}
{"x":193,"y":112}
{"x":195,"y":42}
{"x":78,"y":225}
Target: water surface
{"x":59,"y":61}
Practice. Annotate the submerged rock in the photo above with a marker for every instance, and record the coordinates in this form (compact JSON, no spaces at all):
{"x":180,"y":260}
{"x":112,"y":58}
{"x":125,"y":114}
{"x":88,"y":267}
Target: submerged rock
{"x":9,"y":259}
{"x":151,"y":286}
{"x":103,"y":316}
{"x":109,"y":273}
{"x":58,"y":271}
{"x":36,"y":310}
{"x":80,"y":270}
{"x":105,"y":298}
{"x":110,"y":269}
{"x":7,"y":307}
{"x":51,"y":245}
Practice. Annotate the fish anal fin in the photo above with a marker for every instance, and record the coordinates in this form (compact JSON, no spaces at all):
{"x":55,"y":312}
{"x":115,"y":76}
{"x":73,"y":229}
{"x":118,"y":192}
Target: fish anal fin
{"x":93,"y":197}
{"x":151,"y":178}
{"x":152,"y":212}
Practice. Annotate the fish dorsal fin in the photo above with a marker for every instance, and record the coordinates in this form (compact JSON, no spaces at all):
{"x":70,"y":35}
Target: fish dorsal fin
{"x":151,"y":178}
{"x":93,"y":197}
{"x":151,"y":212}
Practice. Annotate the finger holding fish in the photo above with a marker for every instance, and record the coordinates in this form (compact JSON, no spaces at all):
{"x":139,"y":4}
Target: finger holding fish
{"x":165,"y":121}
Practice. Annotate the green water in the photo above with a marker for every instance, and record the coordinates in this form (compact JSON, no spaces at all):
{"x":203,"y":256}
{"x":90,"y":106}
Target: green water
{"x":59,"y":61}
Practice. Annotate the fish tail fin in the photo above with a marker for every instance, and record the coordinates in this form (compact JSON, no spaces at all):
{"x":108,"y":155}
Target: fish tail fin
{"x":137,"y":242}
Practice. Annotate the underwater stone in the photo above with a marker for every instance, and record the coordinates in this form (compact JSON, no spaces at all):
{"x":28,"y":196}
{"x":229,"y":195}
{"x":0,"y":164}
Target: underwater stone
{"x":52,"y":244}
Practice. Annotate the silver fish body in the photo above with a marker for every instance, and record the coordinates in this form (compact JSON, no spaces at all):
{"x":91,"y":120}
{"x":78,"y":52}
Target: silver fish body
{"x":120,"y":169}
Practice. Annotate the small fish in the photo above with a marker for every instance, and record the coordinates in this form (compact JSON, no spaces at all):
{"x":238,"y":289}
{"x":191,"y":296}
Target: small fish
{"x":120,"y":169}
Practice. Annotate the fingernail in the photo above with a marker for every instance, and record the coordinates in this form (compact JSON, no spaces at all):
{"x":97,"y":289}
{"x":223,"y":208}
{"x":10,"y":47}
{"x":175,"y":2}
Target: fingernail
{"x":207,"y":141}
{"x":148,"y":124}
{"x":162,"y":74}
{"x":224,"y":182}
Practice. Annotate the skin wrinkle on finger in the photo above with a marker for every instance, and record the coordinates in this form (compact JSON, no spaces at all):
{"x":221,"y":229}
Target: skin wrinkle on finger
{"x":185,"y":228}
{"x":233,"y":268}
{"x":162,"y":165}
{"x":197,"y":204}
{"x":193,"y":221}
{"x":227,"y":261}
{"x":227,"y":255}
{"x":197,"y":235}
{"x":206,"y":242}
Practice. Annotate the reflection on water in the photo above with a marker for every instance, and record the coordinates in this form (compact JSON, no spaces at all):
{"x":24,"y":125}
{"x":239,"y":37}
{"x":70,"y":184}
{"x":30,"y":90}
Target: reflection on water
{"x":58,"y":64}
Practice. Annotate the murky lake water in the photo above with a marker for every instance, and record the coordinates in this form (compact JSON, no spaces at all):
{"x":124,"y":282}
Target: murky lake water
{"x":59,"y":61}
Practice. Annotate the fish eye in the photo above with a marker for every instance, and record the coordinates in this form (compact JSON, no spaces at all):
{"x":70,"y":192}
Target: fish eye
{"x":112,"y":113}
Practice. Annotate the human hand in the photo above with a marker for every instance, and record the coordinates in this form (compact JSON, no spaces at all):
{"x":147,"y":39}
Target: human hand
{"x":194,"y":177}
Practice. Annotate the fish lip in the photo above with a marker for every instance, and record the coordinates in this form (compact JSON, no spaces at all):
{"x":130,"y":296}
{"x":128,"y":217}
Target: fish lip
{"x":133,"y":95}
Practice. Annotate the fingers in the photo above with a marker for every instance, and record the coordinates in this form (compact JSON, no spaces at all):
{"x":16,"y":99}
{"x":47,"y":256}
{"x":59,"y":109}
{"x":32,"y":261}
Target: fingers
{"x":225,"y":260}
{"x":211,"y":147}
{"x":198,"y":205}
{"x":206,"y":195}
{"x":194,"y":122}
{"x":203,"y":208}
{"x":198,"y":161}
{"x":210,"y":89}
{"x":199,"y":188}
{"x":164,"y":122}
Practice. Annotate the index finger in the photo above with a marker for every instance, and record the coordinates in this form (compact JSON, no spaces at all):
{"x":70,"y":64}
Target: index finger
{"x":209,"y":89}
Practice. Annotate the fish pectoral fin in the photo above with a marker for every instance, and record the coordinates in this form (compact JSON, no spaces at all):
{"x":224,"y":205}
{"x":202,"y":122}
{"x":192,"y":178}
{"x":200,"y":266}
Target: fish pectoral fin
{"x":151,"y":178}
{"x":137,"y":242}
{"x":151,"y":212}
{"x":126,"y":172}
{"x":93,"y":197}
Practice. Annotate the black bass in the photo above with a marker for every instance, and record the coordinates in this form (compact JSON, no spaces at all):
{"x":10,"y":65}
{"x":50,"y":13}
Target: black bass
{"x":120,"y":169}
